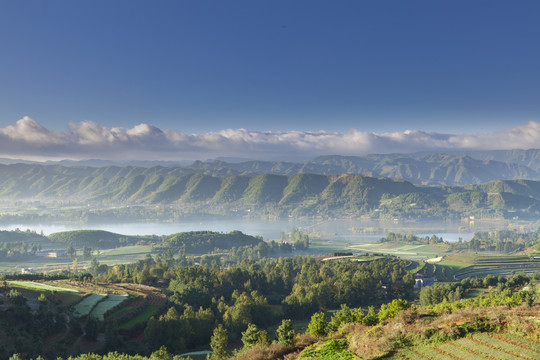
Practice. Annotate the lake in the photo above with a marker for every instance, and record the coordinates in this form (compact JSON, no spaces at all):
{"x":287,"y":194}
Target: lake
{"x":355,"y":230}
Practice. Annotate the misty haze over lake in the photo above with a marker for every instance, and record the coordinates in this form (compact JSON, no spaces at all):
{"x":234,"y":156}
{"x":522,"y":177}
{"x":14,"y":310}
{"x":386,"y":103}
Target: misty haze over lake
{"x":356,"y":230}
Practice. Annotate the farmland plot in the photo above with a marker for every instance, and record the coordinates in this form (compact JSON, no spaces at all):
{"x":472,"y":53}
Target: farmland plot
{"x":479,"y":346}
{"x":32,"y":285}
{"x":85,"y":306}
{"x":106,"y":304}
{"x":101,"y":308}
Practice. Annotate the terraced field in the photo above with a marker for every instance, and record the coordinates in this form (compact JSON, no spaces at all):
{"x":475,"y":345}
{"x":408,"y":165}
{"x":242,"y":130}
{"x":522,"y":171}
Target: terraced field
{"x":406,"y":251}
{"x":479,"y":346}
{"x":86,"y":305}
{"x":106,"y":304}
{"x":499,"y":265}
{"x":97,"y":305}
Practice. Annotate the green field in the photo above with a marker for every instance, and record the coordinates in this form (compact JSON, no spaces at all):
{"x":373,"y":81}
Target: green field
{"x":31,"y":285}
{"x":407,"y":251}
{"x":126,"y":251}
{"x":120,"y":255}
{"x":85,"y":306}
{"x":504,"y":265}
{"x":142,"y":317}
{"x":101,"y":308}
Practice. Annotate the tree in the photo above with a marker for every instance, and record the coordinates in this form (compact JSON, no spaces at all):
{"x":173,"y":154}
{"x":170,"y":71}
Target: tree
{"x":94,"y":265}
{"x":390,"y":310}
{"x":42,"y":298}
{"x":16,"y":298}
{"x":75,"y":266}
{"x":87,"y":252}
{"x":285,"y":333}
{"x":318,"y":325}
{"x":218,"y":343}
{"x":342,"y":316}
{"x":371,"y":317}
{"x":71,"y":251}
{"x":253,"y":336}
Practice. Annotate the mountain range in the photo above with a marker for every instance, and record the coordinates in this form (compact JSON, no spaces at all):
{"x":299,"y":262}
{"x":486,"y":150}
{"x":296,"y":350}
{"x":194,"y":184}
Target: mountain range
{"x":295,"y":195}
{"x":454,"y":168}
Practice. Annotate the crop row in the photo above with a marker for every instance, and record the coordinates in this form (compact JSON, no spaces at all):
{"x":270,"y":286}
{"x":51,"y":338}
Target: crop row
{"x":409,"y":354}
{"x":485,"y":350}
{"x":523,"y":341}
{"x":431,"y":353}
{"x":97,"y":305}
{"x":507,"y":346}
{"x":470,"y":272}
{"x":504,"y":259}
{"x":457,"y":351}
{"x":509,"y":265}
{"x":105,"y":305}
{"x":480,"y":346}
{"x":85,"y":306}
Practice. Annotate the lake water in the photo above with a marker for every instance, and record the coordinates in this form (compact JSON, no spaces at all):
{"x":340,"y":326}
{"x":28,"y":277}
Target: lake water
{"x":354,"y":230}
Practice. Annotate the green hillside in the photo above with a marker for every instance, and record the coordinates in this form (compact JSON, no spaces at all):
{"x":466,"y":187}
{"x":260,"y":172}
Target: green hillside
{"x":273,"y":195}
{"x":95,"y":238}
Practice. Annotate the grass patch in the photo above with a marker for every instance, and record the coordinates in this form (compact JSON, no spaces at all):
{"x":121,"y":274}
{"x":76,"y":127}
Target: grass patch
{"x":126,"y":250}
{"x":123,"y":310}
{"x":31,"y":285}
{"x":68,"y":298}
{"x":472,"y":293}
{"x":143,"y":316}
{"x":331,"y":350}
{"x":408,"y":251}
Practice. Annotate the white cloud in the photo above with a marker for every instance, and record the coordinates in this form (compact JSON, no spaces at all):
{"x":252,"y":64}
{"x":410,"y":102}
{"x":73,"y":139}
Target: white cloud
{"x":87,"y":139}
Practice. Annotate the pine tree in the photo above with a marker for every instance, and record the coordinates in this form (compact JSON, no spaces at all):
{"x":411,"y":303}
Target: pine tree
{"x":218,"y":343}
{"x":285,"y":333}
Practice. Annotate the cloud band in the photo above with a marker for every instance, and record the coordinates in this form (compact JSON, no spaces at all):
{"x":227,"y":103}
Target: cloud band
{"x":87,"y":139}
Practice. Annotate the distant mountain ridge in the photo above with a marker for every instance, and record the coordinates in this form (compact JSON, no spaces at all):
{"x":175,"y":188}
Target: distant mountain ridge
{"x":454,"y":168}
{"x":434,"y":169}
{"x":296,"y":195}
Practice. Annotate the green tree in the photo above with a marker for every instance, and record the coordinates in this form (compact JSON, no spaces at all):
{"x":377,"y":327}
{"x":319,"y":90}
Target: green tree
{"x":87,"y":252}
{"x":253,"y":336}
{"x":371,"y":317}
{"x":16,"y":298}
{"x":218,"y":343}
{"x":71,"y":251}
{"x":94,"y":265}
{"x":342,"y":316}
{"x":390,"y":310}
{"x":42,"y":298}
{"x":318,"y":325}
{"x":285,"y":333}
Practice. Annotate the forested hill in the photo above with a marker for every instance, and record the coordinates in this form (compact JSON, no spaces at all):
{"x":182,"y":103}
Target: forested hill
{"x":96,"y":238}
{"x":426,"y":169}
{"x":191,"y":242}
{"x":267,"y":195}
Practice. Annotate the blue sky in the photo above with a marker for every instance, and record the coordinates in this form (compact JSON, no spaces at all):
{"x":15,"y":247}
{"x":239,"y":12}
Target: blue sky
{"x":196,"y":67}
